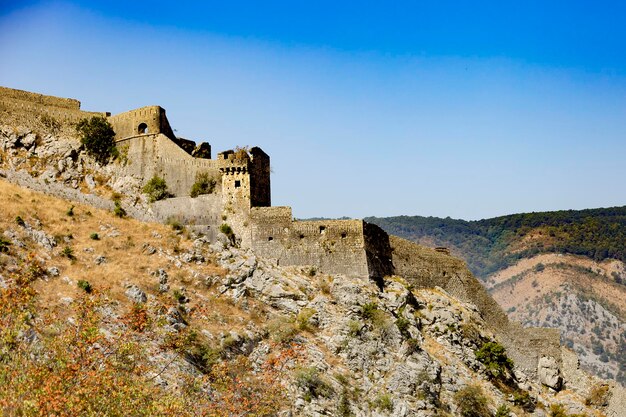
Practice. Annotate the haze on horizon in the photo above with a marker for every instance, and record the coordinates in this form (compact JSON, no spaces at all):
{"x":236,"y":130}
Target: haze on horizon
{"x":366,"y":109}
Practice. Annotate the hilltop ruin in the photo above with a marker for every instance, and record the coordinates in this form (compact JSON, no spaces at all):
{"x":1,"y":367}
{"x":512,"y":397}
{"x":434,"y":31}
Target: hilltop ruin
{"x":242,"y":199}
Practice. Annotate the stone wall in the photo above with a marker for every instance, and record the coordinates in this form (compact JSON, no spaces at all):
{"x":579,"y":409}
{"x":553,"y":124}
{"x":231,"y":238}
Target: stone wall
{"x":203,"y":213}
{"x":155,"y":154}
{"x":19,"y":107}
{"x":428,"y":268}
{"x":332,"y":246}
{"x":145,"y":120}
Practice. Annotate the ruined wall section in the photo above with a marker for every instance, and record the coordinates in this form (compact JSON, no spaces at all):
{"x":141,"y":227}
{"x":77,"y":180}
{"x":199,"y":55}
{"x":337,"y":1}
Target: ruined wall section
{"x":145,"y":120}
{"x":332,"y":246}
{"x":378,"y":252}
{"x":428,"y":268}
{"x":17,"y":107}
{"x":155,"y":154}
{"x":260,"y":191}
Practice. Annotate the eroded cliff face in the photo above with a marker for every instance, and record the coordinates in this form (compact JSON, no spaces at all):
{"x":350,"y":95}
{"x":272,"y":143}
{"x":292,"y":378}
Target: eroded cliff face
{"x":209,"y":324}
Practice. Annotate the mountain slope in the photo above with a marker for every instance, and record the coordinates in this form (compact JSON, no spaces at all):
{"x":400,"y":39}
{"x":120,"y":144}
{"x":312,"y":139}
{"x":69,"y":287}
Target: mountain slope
{"x":558,"y":269}
{"x":160,"y":322}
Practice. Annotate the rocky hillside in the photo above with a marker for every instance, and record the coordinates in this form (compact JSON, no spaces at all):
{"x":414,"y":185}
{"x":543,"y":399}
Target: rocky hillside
{"x":105,"y":315}
{"x":559,"y":269}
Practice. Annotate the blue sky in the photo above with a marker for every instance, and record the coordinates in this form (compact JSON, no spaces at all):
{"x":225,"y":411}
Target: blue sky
{"x":432,"y":108}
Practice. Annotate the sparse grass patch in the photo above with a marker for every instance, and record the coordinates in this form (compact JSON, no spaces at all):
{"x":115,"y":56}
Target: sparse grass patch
{"x":383,"y":402}
{"x":599,"y":396}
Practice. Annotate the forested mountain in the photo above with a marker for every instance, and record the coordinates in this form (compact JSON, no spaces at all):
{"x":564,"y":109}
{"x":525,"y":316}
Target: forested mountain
{"x":490,"y":245}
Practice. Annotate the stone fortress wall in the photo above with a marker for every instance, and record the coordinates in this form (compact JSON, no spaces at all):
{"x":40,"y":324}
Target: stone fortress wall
{"x":22,"y":103}
{"x":243,"y":200}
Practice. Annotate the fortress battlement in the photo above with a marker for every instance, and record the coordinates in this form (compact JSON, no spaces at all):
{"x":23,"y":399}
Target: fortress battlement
{"x":241,"y":198}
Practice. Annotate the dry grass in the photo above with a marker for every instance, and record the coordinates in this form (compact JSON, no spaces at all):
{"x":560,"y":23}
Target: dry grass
{"x":121,"y":242}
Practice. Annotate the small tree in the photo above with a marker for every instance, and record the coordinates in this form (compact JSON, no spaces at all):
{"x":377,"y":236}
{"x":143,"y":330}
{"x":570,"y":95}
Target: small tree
{"x":493,"y":356}
{"x":98,"y":137}
{"x":156,"y":189}
{"x":205,"y":184}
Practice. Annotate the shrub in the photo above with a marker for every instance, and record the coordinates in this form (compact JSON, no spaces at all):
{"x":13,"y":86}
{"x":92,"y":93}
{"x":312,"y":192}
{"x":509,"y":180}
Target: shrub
{"x":68,"y":253}
{"x":503,"y":411}
{"x":493,"y":356}
{"x":303,"y":319}
{"x":312,"y":383}
{"x":85,"y":286}
{"x":175,"y":224}
{"x":383,"y":402}
{"x":94,"y":236}
{"x":19,"y":221}
{"x":98,"y":137}
{"x":205,"y":184}
{"x":119,"y":211}
{"x":523,"y":399}
{"x":471,"y":402}
{"x":557,"y":410}
{"x":599,"y":396}
{"x":156,"y":189}
{"x":403,"y":326}
{"x":70,"y":211}
{"x":4,"y":244}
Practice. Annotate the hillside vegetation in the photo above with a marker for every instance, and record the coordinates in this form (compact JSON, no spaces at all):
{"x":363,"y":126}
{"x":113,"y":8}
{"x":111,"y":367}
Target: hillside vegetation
{"x":490,"y":245}
{"x":101,"y":315}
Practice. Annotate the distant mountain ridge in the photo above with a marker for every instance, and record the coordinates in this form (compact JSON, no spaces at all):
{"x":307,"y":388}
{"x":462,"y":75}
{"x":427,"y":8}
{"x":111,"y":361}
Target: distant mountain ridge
{"x":491,"y":245}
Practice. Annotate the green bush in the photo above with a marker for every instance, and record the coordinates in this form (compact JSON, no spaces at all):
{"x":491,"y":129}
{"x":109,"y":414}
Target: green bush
{"x":68,"y":252}
{"x":205,"y":184}
{"x":4,"y":244}
{"x":493,"y":356}
{"x":70,"y":211}
{"x":85,"y":286}
{"x":523,"y":399}
{"x":19,"y":221}
{"x":471,"y":402}
{"x":312,"y":383}
{"x":119,"y":211}
{"x":98,"y":137}
{"x":94,"y":236}
{"x":156,"y":189}
{"x":503,"y":411}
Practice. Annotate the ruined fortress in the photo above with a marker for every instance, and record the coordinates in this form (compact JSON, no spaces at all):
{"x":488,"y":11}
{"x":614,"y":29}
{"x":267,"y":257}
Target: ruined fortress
{"x":242,"y":199}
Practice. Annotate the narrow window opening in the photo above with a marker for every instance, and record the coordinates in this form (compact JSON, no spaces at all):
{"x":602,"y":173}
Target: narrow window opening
{"x":270,"y":238}
{"x":142,"y":128}
{"x":322,"y":229}
{"x":301,"y":236}
{"x":237,"y":183}
{"x":344,"y":235}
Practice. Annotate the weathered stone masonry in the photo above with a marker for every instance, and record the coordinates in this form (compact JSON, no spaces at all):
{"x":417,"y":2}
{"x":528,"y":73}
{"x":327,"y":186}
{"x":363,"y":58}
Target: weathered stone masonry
{"x":242,"y":198}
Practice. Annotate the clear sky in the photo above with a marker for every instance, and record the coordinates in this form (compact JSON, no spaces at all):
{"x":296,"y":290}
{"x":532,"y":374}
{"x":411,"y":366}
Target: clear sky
{"x":366,"y":108}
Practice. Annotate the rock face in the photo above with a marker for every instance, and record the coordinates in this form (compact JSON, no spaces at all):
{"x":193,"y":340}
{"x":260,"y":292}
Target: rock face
{"x":549,"y":372}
